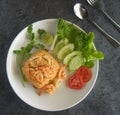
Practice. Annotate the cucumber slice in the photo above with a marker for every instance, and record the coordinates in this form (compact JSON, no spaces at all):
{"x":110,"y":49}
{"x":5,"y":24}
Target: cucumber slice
{"x":65,"y":51}
{"x":60,"y":45}
{"x":70,"y":56}
{"x":76,"y":62}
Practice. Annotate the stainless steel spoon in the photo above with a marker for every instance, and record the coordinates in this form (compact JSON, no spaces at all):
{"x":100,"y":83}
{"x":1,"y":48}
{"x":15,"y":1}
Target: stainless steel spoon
{"x":82,"y":13}
{"x":96,"y":4}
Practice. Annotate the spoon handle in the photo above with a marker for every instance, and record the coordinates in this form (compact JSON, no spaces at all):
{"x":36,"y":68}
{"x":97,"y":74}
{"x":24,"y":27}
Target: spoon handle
{"x":112,"y":21}
{"x":112,"y":40}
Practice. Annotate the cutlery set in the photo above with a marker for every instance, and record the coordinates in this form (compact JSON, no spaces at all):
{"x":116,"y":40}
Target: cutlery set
{"x":82,"y":13}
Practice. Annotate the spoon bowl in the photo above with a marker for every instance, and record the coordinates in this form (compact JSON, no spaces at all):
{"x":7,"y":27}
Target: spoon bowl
{"x":80,"y":11}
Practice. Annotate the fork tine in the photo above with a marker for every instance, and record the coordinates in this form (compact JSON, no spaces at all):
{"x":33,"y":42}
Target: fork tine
{"x":94,"y":0}
{"x":91,"y":1}
{"x":94,"y":3}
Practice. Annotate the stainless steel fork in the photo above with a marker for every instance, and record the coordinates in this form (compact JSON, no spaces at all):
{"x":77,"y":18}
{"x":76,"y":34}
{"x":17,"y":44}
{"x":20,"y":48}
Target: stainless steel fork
{"x":96,"y":4}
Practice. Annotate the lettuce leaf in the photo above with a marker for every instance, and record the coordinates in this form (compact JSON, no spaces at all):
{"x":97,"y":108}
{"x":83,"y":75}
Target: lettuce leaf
{"x":82,"y":41}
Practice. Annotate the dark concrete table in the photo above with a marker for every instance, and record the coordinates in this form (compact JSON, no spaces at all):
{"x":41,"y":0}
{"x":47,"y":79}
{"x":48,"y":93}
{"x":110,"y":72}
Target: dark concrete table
{"x":104,"y":99}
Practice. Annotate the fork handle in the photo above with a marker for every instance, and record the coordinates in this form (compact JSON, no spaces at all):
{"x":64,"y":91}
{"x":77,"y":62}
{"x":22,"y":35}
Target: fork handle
{"x":112,"y":21}
{"x":112,"y":40}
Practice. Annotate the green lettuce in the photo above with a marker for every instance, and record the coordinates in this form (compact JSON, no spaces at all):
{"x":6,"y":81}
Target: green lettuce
{"x":82,"y":41}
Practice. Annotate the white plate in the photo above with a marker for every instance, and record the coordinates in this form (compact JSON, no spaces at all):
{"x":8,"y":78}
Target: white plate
{"x":64,"y":97}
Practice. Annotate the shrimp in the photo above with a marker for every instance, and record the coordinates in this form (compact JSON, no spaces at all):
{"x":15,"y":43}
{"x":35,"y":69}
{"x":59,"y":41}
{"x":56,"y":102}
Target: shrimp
{"x":50,"y":88}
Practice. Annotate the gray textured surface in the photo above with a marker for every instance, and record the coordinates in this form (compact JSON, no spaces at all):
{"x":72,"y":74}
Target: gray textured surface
{"x":104,"y":99}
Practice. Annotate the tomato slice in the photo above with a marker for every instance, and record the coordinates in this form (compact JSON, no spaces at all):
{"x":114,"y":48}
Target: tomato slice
{"x":75,"y":82}
{"x":85,"y":72}
{"x":80,"y":77}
